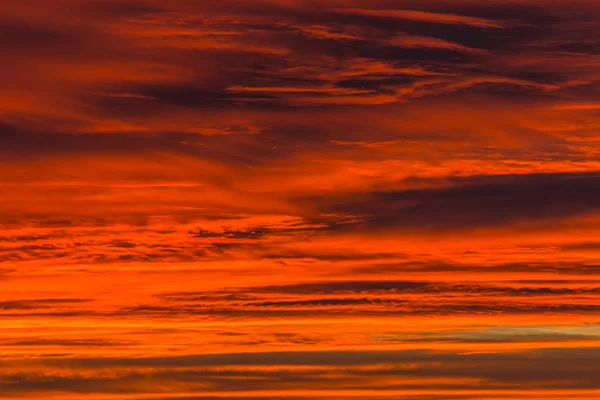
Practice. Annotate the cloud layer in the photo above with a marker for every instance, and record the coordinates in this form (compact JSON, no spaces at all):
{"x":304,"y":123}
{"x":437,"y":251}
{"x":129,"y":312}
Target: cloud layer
{"x":280,"y":199}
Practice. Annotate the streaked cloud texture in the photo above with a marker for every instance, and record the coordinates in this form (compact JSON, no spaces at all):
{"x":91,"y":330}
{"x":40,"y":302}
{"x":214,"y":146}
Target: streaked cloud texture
{"x":284,"y":199}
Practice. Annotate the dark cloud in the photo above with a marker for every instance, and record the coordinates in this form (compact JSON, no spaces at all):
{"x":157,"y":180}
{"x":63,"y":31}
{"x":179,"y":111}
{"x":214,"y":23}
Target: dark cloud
{"x":475,"y":202}
{"x":27,"y":143}
{"x":25,"y":238}
{"x":506,"y":334}
{"x":326,"y":358}
{"x":20,"y":36}
{"x":559,"y":268}
{"x":123,"y":244}
{"x":66,"y":343}
{"x":417,"y":287}
{"x":333,"y":256}
{"x":583,"y":246}
{"x":342,"y":287}
{"x":376,"y":298}
{"x":321,"y":369}
{"x":206,"y":296}
{"x":249,"y":233}
{"x":123,"y":9}
{"x":33,"y":304}
{"x":313,"y":303}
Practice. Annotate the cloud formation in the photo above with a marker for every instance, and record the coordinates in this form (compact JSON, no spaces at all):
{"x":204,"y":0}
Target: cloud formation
{"x":280,"y":199}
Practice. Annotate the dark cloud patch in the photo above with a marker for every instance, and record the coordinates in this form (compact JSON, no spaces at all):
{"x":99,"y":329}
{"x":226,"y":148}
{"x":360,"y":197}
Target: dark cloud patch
{"x":377,"y":287}
{"x":16,"y":141}
{"x":316,"y":303}
{"x":91,"y":250}
{"x":56,"y":223}
{"x":332,"y":256}
{"x":206,"y":297}
{"x":317,"y":397}
{"x":202,"y":233}
{"x":582,"y":246}
{"x":576,"y":48}
{"x":509,"y":13}
{"x":44,"y":251}
{"x":123,"y":8}
{"x":471,"y":29}
{"x":124,"y":244}
{"x":233,"y":143}
{"x":359,"y":307}
{"x":50,"y":314}
{"x":33,"y":304}
{"x":26,"y":238}
{"x":66,"y":343}
{"x":383,"y":84}
{"x":475,"y":202}
{"x":201,"y":97}
{"x":252,"y":397}
{"x":558,"y":268}
{"x":341,"y":37}
{"x":426,"y":55}
{"x":344,"y":369}
{"x":22,"y":35}
{"x":348,"y":378}
{"x":504,"y":334}
{"x":342,"y":287}
{"x":542,"y":77}
{"x":250,"y":233}
{"x":32,"y":248}
{"x":508,"y":91}
{"x":585,"y":356}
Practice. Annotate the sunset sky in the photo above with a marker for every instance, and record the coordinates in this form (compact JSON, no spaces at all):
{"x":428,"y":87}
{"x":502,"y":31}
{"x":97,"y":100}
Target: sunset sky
{"x":300,"y":199}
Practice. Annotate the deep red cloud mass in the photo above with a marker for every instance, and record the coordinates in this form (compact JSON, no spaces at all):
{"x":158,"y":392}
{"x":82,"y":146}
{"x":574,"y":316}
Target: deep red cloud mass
{"x":299,"y":199}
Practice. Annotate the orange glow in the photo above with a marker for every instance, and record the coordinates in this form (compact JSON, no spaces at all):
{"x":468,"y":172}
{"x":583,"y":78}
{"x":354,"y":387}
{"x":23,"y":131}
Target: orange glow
{"x":338,"y":199}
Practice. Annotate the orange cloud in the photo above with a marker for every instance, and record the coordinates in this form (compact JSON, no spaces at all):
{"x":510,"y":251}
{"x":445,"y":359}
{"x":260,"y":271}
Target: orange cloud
{"x":333,"y":199}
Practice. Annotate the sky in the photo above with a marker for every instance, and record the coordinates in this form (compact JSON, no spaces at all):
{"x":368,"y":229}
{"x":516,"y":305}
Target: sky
{"x":282,"y":199}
